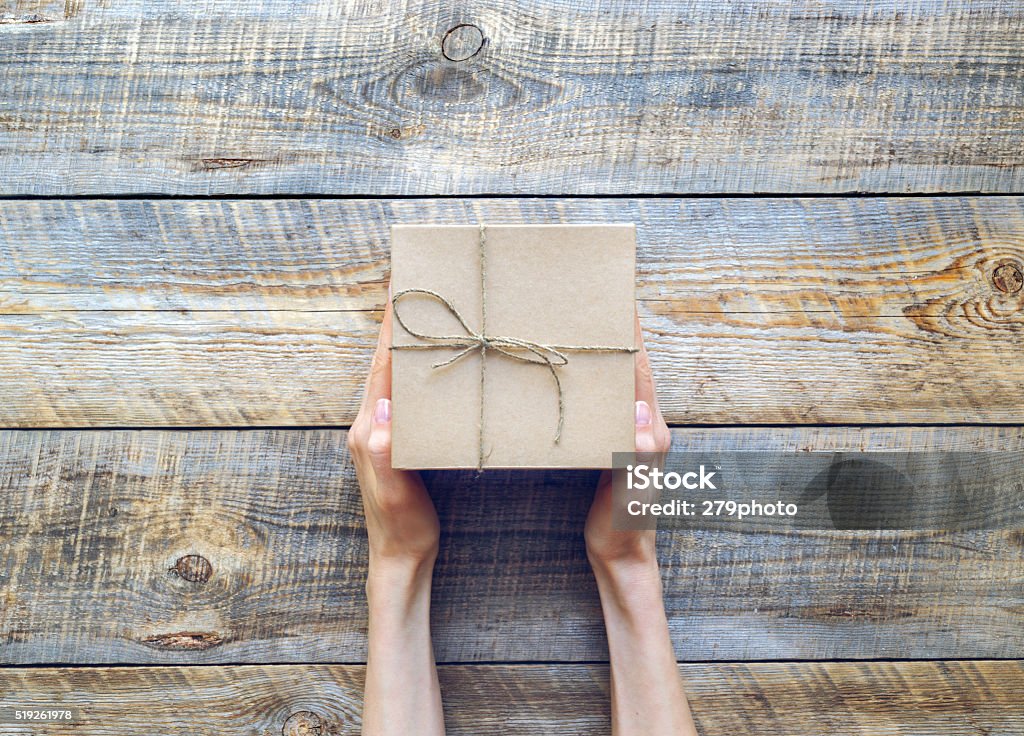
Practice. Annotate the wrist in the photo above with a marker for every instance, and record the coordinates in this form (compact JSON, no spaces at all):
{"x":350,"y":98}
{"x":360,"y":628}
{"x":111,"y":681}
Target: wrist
{"x":616,"y":554}
{"x":624,"y":563}
{"x":399,"y":578}
{"x":630,"y":583}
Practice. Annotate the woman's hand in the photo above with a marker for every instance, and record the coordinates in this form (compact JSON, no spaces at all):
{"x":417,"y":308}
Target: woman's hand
{"x":402,"y":694}
{"x":401,"y":522}
{"x":647,"y":693}
{"x":607,"y":548}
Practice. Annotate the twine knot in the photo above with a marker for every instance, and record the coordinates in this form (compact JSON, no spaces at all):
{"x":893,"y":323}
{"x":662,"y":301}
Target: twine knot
{"x":473,"y":341}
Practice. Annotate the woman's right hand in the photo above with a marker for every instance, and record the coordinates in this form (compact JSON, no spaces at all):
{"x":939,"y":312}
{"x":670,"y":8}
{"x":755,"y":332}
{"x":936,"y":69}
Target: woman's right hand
{"x":402,"y":694}
{"x":401,"y":522}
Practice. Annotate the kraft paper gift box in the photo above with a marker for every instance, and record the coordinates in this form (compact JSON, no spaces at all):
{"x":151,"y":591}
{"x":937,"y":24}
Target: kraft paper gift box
{"x":512,"y":345}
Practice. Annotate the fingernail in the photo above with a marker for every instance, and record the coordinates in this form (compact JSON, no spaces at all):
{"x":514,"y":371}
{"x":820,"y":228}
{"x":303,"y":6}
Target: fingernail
{"x":382,"y":411}
{"x":643,"y":414}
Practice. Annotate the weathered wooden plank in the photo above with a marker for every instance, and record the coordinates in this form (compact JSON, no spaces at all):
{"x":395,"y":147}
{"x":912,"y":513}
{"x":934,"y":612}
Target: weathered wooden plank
{"x":560,"y":97}
{"x":199,"y":313}
{"x":248,"y":546}
{"x":973,"y":698}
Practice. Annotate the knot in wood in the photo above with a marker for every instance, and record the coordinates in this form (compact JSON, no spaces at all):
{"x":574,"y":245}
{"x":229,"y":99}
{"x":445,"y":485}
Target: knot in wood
{"x":304,"y":723}
{"x":184,"y":641}
{"x":1008,"y":278}
{"x":193,"y":568}
{"x":462,"y":42}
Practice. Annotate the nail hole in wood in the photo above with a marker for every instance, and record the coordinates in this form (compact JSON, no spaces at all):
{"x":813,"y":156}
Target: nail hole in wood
{"x":462,"y":42}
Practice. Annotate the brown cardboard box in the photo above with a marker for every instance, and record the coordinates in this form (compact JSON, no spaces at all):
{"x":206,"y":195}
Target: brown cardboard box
{"x":559,"y":296}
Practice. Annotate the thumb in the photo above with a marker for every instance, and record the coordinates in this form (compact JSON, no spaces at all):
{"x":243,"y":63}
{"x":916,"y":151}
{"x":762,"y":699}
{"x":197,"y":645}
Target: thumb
{"x":645,"y":439}
{"x":378,"y":445}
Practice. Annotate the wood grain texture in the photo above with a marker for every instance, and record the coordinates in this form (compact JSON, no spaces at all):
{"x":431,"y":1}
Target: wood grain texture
{"x":248,"y":546}
{"x":973,"y":698}
{"x":558,"y":97}
{"x":217,"y":313}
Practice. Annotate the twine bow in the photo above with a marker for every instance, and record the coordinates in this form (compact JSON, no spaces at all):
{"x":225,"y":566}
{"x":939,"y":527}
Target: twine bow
{"x":530,"y":352}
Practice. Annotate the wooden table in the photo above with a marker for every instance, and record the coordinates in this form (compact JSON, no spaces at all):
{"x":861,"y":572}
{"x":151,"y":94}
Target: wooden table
{"x":193,"y":259}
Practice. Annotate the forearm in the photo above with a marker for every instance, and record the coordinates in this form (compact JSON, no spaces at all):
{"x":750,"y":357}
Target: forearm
{"x":647,"y":693}
{"x":402,"y":694}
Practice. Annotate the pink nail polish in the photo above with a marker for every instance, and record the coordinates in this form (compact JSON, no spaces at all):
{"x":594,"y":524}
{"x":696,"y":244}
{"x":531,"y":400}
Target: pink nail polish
{"x":382,"y":411}
{"x":643,"y":414}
